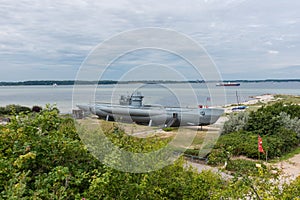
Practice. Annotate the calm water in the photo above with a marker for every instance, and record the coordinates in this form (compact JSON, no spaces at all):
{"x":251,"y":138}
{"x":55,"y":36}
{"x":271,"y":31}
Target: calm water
{"x":171,"y":95}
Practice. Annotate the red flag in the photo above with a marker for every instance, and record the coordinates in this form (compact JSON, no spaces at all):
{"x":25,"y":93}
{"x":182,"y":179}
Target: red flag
{"x":260,"y":147}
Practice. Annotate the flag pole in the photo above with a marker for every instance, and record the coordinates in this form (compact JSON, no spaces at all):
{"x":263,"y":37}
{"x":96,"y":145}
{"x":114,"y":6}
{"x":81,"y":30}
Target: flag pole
{"x":258,"y":147}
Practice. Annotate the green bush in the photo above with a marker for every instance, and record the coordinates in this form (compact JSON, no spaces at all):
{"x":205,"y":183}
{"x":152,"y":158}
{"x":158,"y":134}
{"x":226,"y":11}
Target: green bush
{"x":42,"y":157}
{"x":32,"y":146}
{"x":14,"y":109}
{"x":246,"y":143}
{"x":242,"y":166}
{"x":290,"y":123}
{"x":193,"y":152}
{"x":266,"y":120}
{"x":218,"y":157}
{"x":236,"y":122}
{"x":277,"y":124}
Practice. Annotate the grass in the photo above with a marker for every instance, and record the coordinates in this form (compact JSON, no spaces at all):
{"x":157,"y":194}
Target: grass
{"x":169,"y":129}
{"x":251,"y":108}
{"x":258,"y":104}
{"x":198,"y":140}
{"x":288,"y":98}
{"x":282,"y":98}
{"x":286,"y":156}
{"x":207,"y":135}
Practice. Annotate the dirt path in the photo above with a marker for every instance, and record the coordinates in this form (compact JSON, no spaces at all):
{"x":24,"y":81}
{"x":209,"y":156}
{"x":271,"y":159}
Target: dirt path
{"x":199,"y":167}
{"x":290,"y":168}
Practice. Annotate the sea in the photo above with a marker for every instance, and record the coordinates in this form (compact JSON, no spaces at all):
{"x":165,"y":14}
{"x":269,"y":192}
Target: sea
{"x":178,"y":94}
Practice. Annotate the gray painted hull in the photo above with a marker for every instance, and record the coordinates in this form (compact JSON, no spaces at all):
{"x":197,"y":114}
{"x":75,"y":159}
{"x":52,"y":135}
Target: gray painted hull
{"x":152,"y":115}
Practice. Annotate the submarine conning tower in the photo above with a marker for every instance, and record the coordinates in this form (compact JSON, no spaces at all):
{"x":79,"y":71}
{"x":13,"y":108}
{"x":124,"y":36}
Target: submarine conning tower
{"x":136,"y":99}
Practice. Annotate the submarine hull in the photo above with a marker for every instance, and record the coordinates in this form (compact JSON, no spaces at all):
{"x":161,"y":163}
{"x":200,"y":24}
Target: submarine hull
{"x":165,"y":116}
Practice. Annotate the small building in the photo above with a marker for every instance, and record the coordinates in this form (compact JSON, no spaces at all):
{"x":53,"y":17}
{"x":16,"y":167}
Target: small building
{"x":77,"y":114}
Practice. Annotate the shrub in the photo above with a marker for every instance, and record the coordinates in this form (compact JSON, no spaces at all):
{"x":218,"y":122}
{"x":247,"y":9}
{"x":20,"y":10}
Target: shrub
{"x":14,"y":109}
{"x":239,"y":143}
{"x":290,"y":123}
{"x":276,"y":124}
{"x":280,"y":143}
{"x":246,"y":143}
{"x":267,"y":119}
{"x":36,"y":109}
{"x":242,"y":166}
{"x":42,"y":157}
{"x":218,"y":157}
{"x":193,"y":152}
{"x":236,"y":122}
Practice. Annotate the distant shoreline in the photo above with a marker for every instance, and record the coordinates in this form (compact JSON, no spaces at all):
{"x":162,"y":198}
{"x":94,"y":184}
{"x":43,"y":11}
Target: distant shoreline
{"x":111,"y":82}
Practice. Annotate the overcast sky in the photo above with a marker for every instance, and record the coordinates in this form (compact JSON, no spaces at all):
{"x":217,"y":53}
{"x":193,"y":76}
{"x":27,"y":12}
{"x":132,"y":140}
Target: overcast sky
{"x":247,"y":39}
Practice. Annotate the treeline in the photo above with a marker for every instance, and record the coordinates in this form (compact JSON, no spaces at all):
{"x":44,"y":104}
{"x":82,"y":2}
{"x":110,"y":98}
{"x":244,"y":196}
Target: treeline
{"x":104,"y":82}
{"x":54,"y":82}
{"x":101,"y":82}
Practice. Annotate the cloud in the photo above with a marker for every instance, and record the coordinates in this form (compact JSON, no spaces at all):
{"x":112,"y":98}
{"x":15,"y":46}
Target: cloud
{"x":238,"y":34}
{"x":273,"y":52}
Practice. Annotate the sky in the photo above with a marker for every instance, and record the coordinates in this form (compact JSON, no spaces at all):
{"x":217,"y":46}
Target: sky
{"x":246,"y":39}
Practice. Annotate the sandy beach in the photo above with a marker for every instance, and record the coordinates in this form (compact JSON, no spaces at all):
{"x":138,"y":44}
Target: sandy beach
{"x":266,"y":98}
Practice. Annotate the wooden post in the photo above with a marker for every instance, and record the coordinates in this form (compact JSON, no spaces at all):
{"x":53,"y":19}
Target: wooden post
{"x":237,"y":98}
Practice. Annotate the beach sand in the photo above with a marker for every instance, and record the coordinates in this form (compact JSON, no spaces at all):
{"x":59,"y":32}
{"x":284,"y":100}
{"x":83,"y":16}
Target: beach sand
{"x":264,"y":99}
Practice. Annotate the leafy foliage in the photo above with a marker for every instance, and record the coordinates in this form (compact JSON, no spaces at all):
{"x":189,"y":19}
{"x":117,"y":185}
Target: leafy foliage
{"x":42,"y":157}
{"x":290,"y":123}
{"x":13,"y":109}
{"x":266,"y":120}
{"x":35,"y":148}
{"x":236,"y":122}
{"x":242,"y":166}
{"x":277,"y":124}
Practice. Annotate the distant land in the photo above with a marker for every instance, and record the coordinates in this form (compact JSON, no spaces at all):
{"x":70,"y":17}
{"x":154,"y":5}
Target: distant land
{"x":106,"y":82}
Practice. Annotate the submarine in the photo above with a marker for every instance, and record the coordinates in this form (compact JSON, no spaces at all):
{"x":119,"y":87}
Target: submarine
{"x":131,"y":109}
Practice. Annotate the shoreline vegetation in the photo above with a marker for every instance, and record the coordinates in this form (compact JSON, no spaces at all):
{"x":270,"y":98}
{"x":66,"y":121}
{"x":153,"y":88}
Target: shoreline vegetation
{"x":43,"y":157}
{"x":109,"y":82}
